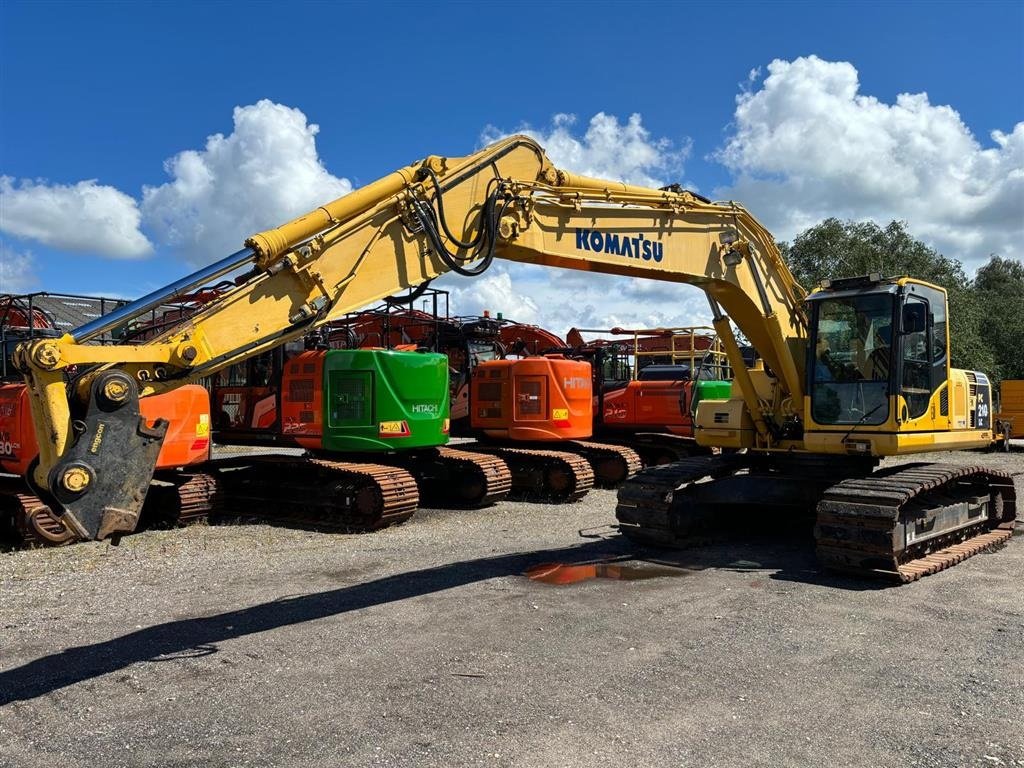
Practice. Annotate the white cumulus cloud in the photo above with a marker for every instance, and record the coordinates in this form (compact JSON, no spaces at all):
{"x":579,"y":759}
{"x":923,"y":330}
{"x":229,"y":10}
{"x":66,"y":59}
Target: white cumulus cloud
{"x":807,"y":145}
{"x":86,"y":217}
{"x":560,"y":299}
{"x":608,"y":149}
{"x":265,"y":172}
{"x":17,"y":273}
{"x":494,"y":291}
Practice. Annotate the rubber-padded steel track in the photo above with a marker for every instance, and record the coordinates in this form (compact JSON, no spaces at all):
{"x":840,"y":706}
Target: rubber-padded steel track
{"x":909,"y":521}
{"x":645,"y":508}
{"x":541,"y":475}
{"x":612,"y":464}
{"x":318,"y":493}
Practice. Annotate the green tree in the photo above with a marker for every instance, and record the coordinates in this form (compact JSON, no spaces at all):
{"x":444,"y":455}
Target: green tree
{"x":837,"y":248}
{"x":999,"y":286}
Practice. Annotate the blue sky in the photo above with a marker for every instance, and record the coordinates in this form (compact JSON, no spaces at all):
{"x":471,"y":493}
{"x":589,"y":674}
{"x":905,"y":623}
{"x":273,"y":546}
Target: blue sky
{"x":112,"y":91}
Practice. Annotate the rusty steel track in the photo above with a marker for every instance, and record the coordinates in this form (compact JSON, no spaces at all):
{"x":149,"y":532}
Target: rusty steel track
{"x":913,"y":520}
{"x":318,"y":493}
{"x":645,"y":508}
{"x":182,"y":498}
{"x":28,"y":521}
{"x":542,"y":475}
{"x":37,"y":524}
{"x":175,"y":499}
{"x":476,"y":480}
{"x":612,"y":464}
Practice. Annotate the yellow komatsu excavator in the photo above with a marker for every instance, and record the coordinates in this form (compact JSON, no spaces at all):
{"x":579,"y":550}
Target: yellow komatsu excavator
{"x":857,"y":370}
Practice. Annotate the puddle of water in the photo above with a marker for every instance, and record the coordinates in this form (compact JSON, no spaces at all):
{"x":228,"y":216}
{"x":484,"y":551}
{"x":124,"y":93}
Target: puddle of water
{"x":568,"y":573}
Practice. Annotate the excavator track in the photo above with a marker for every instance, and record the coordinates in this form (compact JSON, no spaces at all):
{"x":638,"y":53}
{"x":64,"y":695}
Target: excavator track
{"x":29,"y":520}
{"x":913,"y":520}
{"x":477,"y":479}
{"x":645,"y":509}
{"x":612,"y":464}
{"x":174,"y":500}
{"x":449,"y":478}
{"x":182,"y":498}
{"x":541,"y":475}
{"x":318,"y":493}
{"x":656,"y":448}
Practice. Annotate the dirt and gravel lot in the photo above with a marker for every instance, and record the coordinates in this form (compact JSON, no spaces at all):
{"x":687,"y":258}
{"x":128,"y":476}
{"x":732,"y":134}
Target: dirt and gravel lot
{"x":424,"y":645}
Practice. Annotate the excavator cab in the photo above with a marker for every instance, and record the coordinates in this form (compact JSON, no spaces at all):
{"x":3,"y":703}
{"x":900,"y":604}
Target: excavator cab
{"x":878,"y":375}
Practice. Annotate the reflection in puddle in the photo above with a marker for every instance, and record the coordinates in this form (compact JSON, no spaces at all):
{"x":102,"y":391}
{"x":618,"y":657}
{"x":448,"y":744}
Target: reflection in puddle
{"x":571,"y":573}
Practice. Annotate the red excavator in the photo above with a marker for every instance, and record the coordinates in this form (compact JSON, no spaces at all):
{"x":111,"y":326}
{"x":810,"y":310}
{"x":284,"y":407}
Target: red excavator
{"x":178,"y":494}
{"x":646,"y":388}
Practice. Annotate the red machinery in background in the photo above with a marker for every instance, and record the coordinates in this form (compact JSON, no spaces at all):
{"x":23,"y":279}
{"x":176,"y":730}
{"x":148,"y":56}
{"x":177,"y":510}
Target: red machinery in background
{"x":534,"y":412}
{"x":646,"y":388}
{"x":545,"y":401}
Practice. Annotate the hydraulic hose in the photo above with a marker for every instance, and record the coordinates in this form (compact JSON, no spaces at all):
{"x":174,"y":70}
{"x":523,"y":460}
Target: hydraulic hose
{"x":485,"y":240}
{"x":416,"y":293}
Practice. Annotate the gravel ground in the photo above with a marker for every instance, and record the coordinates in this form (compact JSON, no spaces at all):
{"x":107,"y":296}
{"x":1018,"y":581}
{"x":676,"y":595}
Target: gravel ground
{"x":425,"y":645}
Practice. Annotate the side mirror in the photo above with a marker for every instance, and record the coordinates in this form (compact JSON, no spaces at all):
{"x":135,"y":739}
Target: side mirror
{"x":915,"y":318}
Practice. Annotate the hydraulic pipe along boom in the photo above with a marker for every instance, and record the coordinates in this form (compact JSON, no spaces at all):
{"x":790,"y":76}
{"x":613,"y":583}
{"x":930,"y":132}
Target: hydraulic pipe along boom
{"x":163,"y":295}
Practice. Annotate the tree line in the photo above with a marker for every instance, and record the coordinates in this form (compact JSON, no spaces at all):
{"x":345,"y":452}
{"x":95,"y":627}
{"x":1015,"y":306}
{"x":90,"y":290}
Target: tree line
{"x":986,"y":323}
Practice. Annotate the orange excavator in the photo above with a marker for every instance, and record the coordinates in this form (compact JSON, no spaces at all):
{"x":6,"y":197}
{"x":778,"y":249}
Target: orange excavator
{"x":645,"y":389}
{"x":182,"y":491}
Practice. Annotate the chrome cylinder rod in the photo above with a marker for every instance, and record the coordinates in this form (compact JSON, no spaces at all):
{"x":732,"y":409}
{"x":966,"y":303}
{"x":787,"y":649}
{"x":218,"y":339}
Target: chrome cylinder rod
{"x":162,"y":296}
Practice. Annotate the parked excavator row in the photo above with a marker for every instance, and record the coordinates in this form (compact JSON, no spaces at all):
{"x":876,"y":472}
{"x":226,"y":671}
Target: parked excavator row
{"x":335,"y":403}
{"x":649,"y":415}
{"x":254,"y":411}
{"x":857,"y":370}
{"x":643,"y":392}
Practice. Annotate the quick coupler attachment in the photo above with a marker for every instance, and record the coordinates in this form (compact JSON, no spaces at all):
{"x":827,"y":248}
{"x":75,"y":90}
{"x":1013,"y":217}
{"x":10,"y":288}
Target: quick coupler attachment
{"x":101,"y":482}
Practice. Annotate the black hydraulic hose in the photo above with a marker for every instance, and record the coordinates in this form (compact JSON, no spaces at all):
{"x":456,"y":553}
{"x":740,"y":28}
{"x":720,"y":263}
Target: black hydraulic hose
{"x":425,"y":214}
{"x":416,"y":293}
{"x":439,"y":199}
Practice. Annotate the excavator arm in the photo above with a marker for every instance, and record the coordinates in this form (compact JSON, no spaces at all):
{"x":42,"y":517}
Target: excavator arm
{"x":432,"y":217}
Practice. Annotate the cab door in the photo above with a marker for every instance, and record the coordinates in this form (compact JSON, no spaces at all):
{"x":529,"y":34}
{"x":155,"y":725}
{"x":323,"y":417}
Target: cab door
{"x":922,"y":373}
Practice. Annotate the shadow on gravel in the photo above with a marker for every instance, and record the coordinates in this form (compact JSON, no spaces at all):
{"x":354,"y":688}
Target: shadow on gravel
{"x":791,"y":558}
{"x":197,"y":636}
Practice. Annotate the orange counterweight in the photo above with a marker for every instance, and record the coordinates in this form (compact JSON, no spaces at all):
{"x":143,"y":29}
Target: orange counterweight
{"x":534,"y":399}
{"x":186,"y":408}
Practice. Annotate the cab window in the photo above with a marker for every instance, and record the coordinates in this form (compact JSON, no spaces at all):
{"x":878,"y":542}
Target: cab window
{"x":852,"y":359}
